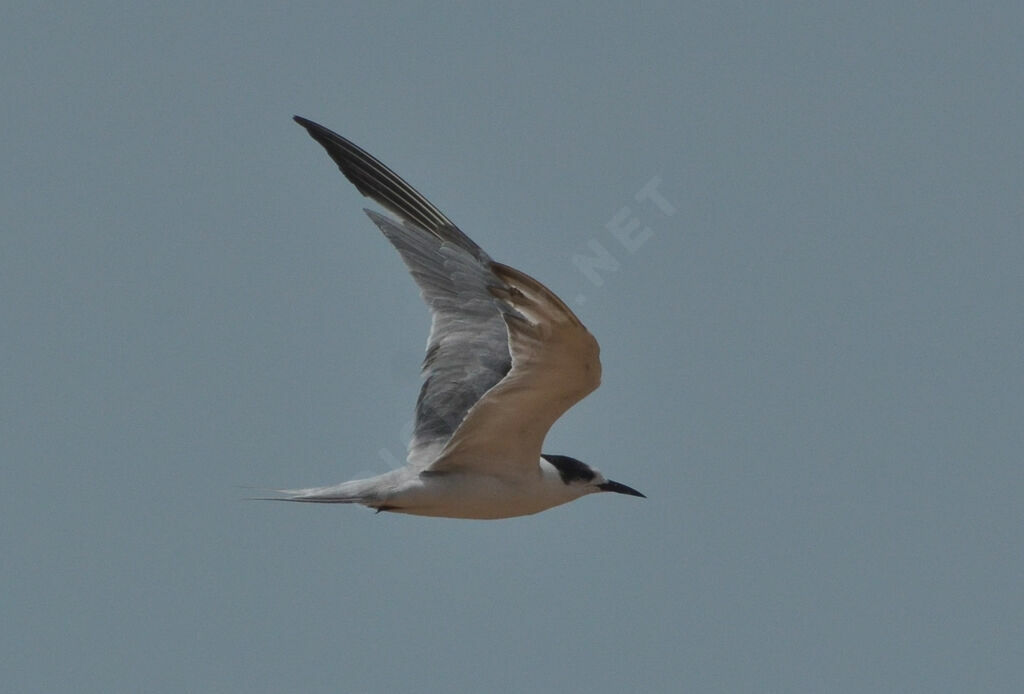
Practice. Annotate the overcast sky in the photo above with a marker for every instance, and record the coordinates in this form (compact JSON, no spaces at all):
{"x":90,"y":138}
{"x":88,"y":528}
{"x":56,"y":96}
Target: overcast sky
{"x":811,"y":341}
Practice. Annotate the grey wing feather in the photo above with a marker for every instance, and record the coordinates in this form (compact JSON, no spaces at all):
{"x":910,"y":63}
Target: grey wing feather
{"x":467,"y":351}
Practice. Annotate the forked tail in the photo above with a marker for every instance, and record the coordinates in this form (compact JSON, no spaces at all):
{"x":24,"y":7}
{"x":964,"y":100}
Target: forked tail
{"x":354,"y":492}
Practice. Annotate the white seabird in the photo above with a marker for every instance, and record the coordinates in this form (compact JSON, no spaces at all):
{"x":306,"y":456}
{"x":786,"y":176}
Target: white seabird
{"x":505,"y":359}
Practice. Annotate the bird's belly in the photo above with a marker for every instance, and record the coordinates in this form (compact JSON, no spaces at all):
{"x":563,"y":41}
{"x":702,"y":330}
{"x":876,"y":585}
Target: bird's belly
{"x":473,"y":496}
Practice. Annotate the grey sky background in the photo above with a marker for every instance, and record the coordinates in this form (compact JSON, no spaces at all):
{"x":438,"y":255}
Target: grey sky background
{"x":812,"y":365}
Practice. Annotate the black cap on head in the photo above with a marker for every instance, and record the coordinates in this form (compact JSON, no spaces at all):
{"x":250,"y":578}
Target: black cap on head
{"x":570,"y":469}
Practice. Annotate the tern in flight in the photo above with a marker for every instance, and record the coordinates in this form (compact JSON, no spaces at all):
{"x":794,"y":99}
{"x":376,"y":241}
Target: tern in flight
{"x":505,"y":359}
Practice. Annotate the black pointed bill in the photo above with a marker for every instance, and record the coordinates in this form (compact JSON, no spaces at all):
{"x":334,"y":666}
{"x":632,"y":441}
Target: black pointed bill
{"x":619,"y":488}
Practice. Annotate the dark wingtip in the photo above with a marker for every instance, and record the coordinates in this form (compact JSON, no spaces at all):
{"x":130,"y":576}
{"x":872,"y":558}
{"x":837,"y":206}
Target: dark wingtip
{"x":314,"y":129}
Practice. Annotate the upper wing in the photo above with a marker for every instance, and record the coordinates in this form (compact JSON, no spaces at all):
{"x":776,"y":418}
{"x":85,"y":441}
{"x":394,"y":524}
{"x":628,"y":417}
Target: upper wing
{"x":555,"y":364}
{"x":378,"y":182}
{"x":467,"y":351}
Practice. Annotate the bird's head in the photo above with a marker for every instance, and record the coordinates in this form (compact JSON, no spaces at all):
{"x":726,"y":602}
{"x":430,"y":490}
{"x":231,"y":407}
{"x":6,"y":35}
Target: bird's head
{"x":576,"y":473}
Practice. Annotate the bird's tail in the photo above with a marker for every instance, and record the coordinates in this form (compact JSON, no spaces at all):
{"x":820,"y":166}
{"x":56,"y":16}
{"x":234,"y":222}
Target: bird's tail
{"x":354,"y":492}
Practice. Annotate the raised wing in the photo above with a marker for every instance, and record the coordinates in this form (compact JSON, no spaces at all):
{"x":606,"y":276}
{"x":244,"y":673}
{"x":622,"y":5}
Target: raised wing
{"x":555,"y":364}
{"x":378,"y":182}
{"x":467,"y":351}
